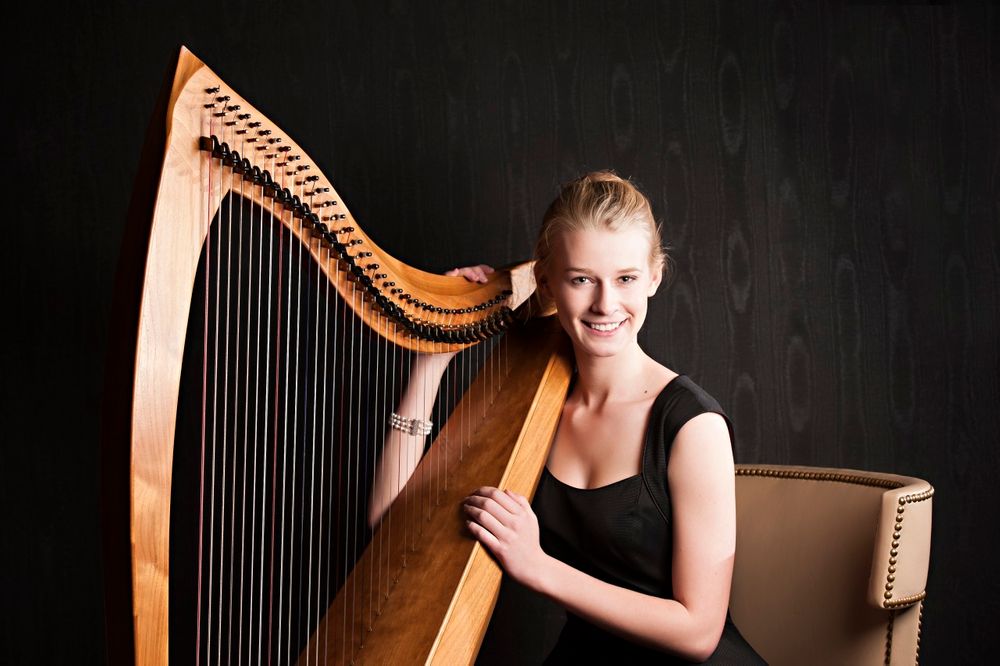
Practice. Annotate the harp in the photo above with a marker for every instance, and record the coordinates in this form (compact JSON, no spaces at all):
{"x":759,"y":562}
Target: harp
{"x":185,"y":578}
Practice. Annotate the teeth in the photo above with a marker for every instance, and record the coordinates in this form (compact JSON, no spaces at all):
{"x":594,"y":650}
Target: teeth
{"x":604,"y":327}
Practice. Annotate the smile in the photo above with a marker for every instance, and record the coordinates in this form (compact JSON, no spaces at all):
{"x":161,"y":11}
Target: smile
{"x":604,"y":327}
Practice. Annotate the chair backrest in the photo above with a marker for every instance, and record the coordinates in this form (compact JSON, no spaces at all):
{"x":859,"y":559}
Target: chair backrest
{"x":831,"y":564}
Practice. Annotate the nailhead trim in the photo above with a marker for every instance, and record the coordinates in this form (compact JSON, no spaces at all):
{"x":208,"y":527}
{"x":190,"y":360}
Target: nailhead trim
{"x":920,"y":619}
{"x":905,"y":601}
{"x":888,"y":638}
{"x":894,"y":552}
{"x":819,"y":476}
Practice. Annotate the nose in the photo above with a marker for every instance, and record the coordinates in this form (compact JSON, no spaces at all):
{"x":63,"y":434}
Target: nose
{"x":604,"y":300}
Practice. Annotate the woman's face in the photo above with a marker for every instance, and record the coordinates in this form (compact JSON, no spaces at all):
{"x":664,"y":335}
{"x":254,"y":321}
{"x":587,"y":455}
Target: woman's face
{"x":600,"y":282}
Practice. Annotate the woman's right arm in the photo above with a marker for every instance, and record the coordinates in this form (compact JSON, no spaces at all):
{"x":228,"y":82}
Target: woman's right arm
{"x":401,"y":451}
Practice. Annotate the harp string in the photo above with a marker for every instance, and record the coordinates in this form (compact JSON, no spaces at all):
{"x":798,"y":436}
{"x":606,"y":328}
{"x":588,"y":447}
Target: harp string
{"x":323,"y":568}
{"x":215,"y":429}
{"x":347,"y":510}
{"x":298,"y":503}
{"x":385,"y":544}
{"x":316,"y":521}
{"x":381,"y":372}
{"x":397,"y":370}
{"x":246,"y":447}
{"x":284,"y":446}
{"x":309,"y":425}
{"x":305,"y":267}
{"x":342,"y":320}
{"x":370,"y":460}
{"x":262,"y":339}
{"x":318,"y":400}
{"x":274,"y":430}
{"x":366,"y":603}
{"x":387,"y":535}
{"x":360,"y":473}
{"x":224,"y":438}
{"x":204,"y":393}
{"x":440,"y":404}
{"x":222,"y":319}
{"x":300,"y":442}
{"x":248,"y":589}
{"x":236,"y":449}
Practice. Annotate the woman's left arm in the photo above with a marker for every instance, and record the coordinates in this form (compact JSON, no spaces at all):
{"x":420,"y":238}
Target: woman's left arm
{"x":703,"y":499}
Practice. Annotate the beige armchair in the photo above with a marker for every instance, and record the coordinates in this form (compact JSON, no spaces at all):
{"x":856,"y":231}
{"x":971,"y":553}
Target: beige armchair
{"x":831,"y":564}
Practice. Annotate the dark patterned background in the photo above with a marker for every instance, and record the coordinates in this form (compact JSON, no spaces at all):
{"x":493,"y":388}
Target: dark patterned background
{"x":827,"y":176}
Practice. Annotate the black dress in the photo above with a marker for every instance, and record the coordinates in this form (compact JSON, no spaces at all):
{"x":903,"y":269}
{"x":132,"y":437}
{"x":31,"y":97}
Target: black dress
{"x":621,"y":533}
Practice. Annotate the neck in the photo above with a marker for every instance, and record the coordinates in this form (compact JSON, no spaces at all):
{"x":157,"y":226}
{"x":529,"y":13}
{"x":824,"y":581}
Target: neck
{"x":604,"y":379}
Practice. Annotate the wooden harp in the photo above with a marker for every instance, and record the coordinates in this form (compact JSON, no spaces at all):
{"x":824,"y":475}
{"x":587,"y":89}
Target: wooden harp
{"x":211,"y":158}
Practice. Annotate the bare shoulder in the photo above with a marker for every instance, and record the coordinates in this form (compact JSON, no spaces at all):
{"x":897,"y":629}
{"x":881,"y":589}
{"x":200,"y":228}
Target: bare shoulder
{"x":701,"y":473}
{"x":704,"y":439}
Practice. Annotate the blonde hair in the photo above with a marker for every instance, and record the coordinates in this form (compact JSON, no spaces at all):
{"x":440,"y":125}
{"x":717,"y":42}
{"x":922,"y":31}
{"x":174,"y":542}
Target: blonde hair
{"x":596,"y":201}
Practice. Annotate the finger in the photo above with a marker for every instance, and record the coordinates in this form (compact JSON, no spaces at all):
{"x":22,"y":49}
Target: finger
{"x":504,"y":499}
{"x":489,"y":491}
{"x":487,"y":268}
{"x":482,"y":535}
{"x":469,"y":273}
{"x":485,"y":518}
{"x":464,"y":271}
{"x":520,"y":500}
{"x":498,"y":510}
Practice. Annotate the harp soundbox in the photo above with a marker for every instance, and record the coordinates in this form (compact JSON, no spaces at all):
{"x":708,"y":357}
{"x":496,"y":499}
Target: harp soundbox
{"x":236,"y":460}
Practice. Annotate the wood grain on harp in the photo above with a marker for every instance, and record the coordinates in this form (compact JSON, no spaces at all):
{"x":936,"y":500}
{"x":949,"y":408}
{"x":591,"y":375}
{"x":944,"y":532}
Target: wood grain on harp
{"x":245,"y":237}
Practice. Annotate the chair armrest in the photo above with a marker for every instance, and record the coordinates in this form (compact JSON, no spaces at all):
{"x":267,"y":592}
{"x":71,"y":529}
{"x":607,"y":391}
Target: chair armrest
{"x":902,"y":545}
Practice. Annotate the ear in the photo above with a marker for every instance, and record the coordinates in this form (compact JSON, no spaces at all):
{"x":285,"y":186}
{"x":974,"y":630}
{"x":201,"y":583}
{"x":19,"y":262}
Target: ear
{"x":656,"y":277}
{"x":542,"y":284}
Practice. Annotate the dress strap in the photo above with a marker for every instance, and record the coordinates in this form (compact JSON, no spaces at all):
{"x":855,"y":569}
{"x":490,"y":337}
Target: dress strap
{"x":680,"y":401}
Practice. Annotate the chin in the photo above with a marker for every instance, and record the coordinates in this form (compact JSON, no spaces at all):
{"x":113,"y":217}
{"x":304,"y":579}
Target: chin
{"x":597,"y":353}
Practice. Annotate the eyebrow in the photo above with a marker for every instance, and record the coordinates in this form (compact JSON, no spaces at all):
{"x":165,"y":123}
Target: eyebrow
{"x":574,"y":269}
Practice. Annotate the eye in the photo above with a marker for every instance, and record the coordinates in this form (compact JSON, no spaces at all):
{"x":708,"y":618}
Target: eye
{"x":627,"y":279}
{"x":579,"y":279}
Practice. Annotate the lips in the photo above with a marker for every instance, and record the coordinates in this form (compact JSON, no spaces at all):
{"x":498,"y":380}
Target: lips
{"x":605,"y":327}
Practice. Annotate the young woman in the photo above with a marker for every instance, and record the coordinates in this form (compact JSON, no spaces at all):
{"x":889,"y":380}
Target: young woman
{"x":633,"y":526}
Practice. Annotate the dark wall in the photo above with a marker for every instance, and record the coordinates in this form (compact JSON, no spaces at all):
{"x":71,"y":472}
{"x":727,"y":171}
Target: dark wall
{"x":827,"y":176}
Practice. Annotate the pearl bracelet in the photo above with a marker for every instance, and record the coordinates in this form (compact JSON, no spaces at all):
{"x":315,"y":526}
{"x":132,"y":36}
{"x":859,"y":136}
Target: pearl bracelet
{"x":410,"y":426}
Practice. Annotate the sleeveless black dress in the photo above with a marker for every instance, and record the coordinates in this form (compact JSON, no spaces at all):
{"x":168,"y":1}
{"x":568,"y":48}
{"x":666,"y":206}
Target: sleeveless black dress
{"x":621,"y":533}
